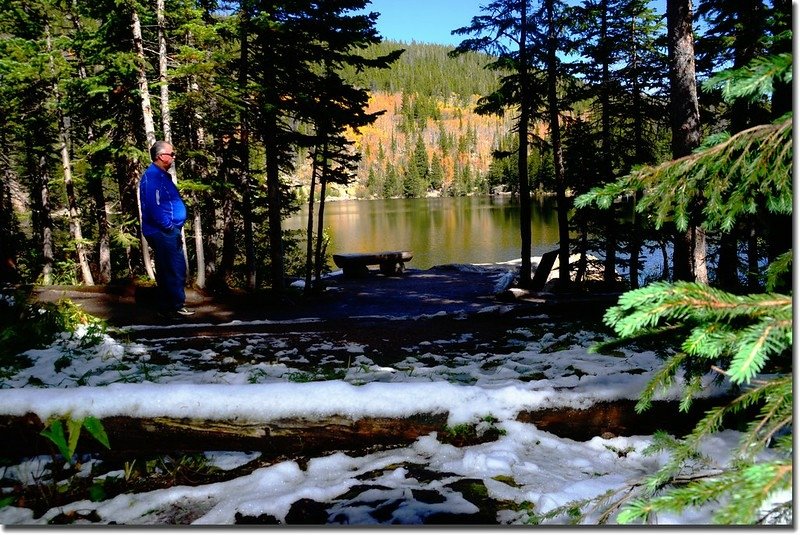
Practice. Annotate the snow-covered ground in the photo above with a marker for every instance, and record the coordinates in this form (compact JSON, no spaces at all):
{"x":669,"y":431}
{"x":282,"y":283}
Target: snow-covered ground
{"x":262,"y":377}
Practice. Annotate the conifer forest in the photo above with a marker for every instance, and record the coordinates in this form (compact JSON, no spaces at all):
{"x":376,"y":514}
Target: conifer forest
{"x":271,"y":104}
{"x":667,"y":129}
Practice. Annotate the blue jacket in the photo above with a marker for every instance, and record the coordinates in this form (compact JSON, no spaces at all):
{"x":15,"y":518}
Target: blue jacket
{"x":162,"y":207}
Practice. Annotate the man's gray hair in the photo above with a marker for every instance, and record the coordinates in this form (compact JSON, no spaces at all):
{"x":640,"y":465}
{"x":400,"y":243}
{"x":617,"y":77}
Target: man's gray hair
{"x":158,"y":147}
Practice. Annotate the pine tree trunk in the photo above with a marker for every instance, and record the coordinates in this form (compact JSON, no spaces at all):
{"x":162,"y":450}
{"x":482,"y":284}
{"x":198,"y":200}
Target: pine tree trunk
{"x":198,"y":138}
{"x":144,"y":90}
{"x":274,"y":207}
{"x":558,"y":159}
{"x":782,"y":95}
{"x":200,"y":278}
{"x":685,"y":125}
{"x":227,"y":224}
{"x":522,"y":161}
{"x":163,"y":82}
{"x":728,"y":263}
{"x":323,"y":190}
{"x":699,"y":250}
{"x":127,"y":172}
{"x":635,"y":244}
{"x":94,"y":180}
{"x":95,"y":185}
{"x":149,"y":125}
{"x":745,"y":48}
{"x":753,"y":272}
{"x":9,"y":249}
{"x":610,"y":264}
{"x":244,"y":120}
{"x":310,"y":225}
{"x":72,"y":203}
{"x":45,"y":221}
{"x":66,"y":168}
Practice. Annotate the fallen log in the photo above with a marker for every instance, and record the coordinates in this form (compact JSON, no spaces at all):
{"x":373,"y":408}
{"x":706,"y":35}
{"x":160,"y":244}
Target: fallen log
{"x":308,"y":437}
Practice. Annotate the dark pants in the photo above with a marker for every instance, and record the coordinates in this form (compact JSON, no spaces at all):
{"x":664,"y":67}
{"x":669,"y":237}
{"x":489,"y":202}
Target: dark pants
{"x":170,"y":268}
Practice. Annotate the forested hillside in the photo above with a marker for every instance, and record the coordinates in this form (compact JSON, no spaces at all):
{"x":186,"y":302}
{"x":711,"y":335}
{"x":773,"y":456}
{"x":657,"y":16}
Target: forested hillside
{"x":429,"y":140}
{"x":261,"y":98}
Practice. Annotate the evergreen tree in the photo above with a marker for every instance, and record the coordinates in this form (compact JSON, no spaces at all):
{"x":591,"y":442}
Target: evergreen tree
{"x":334,"y":105}
{"x":421,"y":166}
{"x":739,"y":337}
{"x":393,"y":184}
{"x":735,"y":33}
{"x":502,"y":30}
{"x":437,"y":172}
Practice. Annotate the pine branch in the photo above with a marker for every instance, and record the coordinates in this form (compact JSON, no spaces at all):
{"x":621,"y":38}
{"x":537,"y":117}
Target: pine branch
{"x":760,"y":156}
{"x":662,"y":379}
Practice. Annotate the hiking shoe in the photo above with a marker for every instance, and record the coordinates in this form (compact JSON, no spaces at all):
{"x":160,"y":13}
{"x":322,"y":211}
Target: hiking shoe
{"x":183,"y":311}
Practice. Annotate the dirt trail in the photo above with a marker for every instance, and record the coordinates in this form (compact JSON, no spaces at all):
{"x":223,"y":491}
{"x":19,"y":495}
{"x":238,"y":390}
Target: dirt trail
{"x":347,"y":303}
{"x":446,"y":289}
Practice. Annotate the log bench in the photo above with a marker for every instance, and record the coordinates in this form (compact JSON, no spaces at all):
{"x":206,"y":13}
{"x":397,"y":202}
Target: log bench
{"x":357,"y":264}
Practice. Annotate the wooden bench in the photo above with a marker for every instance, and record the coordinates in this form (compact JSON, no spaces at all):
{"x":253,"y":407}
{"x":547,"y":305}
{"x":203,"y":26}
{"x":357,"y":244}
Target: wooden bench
{"x":356,"y":264}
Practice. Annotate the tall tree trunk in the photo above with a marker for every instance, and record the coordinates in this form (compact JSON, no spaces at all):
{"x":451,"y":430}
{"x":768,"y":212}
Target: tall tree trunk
{"x":610,"y":264}
{"x":127,"y":174}
{"x":727,"y":276}
{"x":310,"y":223}
{"x":149,"y":125}
{"x":699,"y":252}
{"x":522,"y":157}
{"x":200,"y":278}
{"x":753,"y":271}
{"x":103,"y":248}
{"x":782,"y":95}
{"x":274,"y":207}
{"x":163,"y":81}
{"x":689,"y":261}
{"x":244,"y":121}
{"x":745,"y":49}
{"x":319,"y":258}
{"x":94,"y":179}
{"x":9,"y":248}
{"x":228,"y":151}
{"x":44,"y":219}
{"x":635,"y":244}
{"x":72,"y":203}
{"x":198,"y":139}
{"x":66,"y":168}
{"x":555,"y":137}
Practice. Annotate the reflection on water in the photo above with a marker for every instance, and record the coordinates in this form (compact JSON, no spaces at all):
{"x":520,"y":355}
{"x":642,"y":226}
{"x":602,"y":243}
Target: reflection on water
{"x":438,"y":231}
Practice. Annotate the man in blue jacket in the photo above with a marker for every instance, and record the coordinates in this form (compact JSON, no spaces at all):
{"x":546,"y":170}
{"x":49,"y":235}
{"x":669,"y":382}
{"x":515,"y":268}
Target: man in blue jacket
{"x":163,"y":216}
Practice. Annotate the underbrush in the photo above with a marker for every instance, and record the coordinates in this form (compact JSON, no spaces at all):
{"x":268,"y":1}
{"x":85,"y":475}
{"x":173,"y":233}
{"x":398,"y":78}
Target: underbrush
{"x":30,"y":324}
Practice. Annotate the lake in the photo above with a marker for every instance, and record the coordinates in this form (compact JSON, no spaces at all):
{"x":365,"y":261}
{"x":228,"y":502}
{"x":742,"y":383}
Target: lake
{"x":447,"y":230}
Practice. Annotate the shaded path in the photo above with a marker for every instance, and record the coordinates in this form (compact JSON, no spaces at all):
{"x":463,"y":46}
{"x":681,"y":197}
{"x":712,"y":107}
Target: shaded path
{"x":446,"y":289}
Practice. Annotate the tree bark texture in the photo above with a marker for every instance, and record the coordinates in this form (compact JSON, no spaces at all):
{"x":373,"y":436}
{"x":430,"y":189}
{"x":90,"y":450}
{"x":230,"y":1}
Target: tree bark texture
{"x":66,"y":168}
{"x":244,"y":122}
{"x":310,"y":222}
{"x":306,"y":436}
{"x":44,"y":219}
{"x":522,"y":157}
{"x":555,"y":139}
{"x":94,"y":179}
{"x":685,"y":114}
{"x":149,"y":125}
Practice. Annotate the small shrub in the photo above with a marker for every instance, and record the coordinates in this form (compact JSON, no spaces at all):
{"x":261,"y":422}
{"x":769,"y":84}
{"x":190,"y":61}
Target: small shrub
{"x":27,"y":325}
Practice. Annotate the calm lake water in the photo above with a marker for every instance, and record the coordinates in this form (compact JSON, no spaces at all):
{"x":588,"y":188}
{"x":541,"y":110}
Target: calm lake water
{"x":451,"y":230}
